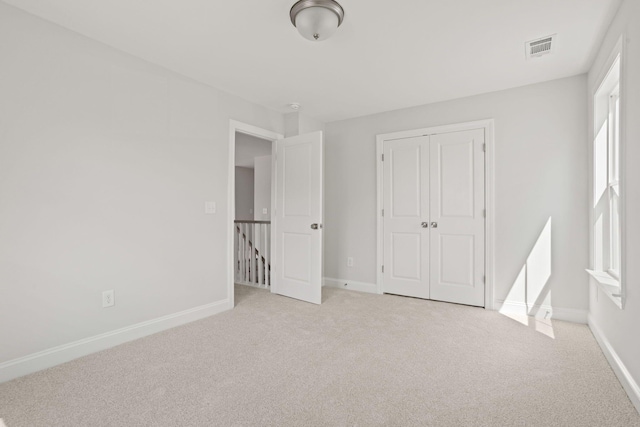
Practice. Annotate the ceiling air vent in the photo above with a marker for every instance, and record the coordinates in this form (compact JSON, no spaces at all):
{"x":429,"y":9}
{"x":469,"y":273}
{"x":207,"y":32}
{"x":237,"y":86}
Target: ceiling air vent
{"x":539,"y":47}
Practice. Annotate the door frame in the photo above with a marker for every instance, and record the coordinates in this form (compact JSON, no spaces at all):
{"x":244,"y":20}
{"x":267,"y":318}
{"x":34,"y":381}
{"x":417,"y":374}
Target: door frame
{"x":236,"y":126}
{"x":489,"y":182}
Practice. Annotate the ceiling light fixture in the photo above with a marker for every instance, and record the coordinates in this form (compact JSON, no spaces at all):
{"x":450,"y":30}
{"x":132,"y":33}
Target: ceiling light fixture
{"x":316,"y":20}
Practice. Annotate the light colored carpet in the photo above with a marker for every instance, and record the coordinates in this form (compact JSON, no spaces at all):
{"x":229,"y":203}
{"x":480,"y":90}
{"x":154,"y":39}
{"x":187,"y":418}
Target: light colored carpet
{"x":358,"y":359}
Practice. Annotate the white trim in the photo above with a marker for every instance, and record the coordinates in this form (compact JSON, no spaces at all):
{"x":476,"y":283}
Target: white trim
{"x":64,"y":353}
{"x":379,"y":219}
{"x":624,"y":376}
{"x":489,"y":225}
{"x":608,"y":284}
{"x":541,"y":311}
{"x":619,"y":50}
{"x":274,"y":159}
{"x":235,"y":126}
{"x":251,"y":285}
{"x":350,"y":285}
{"x":488,"y":126}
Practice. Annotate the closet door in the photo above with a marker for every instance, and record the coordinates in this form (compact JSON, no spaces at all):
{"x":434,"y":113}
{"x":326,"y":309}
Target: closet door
{"x":457,"y":224}
{"x":406,"y":216}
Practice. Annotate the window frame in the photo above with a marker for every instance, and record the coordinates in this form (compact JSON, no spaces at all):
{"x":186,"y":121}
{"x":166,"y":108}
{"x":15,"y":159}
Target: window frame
{"x":613,"y":180}
{"x":607,"y":255}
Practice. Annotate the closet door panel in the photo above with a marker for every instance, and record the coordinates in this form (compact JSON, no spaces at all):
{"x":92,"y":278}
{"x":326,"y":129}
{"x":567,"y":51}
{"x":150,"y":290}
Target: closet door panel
{"x":457,"y":226}
{"x":406,"y":208}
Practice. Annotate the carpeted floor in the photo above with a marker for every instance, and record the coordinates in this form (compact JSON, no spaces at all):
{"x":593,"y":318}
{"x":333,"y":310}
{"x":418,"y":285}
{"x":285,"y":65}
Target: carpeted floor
{"x":358,"y":359}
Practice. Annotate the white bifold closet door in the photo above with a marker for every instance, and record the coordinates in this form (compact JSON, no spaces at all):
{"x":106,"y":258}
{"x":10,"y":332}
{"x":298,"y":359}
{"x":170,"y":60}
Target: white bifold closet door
{"x":406,"y":212}
{"x":457,"y":217}
{"x":434,"y":217}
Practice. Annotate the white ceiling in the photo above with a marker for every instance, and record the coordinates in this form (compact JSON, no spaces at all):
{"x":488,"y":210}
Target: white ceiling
{"x":386,"y":55}
{"x":248,"y":148}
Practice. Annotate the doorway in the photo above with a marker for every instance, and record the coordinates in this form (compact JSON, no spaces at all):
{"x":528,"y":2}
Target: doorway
{"x":433,"y":232}
{"x":278,"y":246}
{"x":252,"y":221}
{"x":258,"y":143}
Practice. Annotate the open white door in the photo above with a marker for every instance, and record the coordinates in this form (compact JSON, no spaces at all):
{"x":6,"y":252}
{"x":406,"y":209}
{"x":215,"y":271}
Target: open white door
{"x":297,"y":217}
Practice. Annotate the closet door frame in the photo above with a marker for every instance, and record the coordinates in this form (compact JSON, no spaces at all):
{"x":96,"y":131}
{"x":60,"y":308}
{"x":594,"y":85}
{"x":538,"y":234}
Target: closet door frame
{"x":488,"y":126}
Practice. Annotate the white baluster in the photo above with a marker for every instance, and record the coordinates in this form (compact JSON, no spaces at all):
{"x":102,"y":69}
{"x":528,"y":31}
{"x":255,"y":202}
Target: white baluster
{"x":240,"y":248}
{"x":258,"y":228}
{"x":254,"y":269}
{"x":236,"y":246}
{"x":267,"y":255}
{"x":245,"y":263}
{"x":241,"y":254}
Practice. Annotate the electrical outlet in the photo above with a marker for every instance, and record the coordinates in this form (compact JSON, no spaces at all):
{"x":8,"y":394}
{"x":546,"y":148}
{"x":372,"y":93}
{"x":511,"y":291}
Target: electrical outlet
{"x":350,"y":262}
{"x":108,"y":298}
{"x":264,"y":211}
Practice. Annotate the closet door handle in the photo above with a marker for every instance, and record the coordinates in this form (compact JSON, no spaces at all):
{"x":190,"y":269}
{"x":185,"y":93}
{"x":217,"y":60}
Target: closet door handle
{"x":425,"y":225}
{"x":434,"y":225}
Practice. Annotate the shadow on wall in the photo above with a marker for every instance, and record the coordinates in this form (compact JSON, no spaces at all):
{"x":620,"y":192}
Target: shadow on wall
{"x":529,"y":299}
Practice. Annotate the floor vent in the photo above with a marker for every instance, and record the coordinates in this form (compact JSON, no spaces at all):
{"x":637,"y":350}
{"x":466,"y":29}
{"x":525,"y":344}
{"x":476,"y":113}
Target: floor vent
{"x":539,"y":47}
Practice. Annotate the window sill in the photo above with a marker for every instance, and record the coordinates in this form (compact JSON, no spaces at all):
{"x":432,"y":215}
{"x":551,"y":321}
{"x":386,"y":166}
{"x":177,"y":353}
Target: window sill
{"x":609,"y":285}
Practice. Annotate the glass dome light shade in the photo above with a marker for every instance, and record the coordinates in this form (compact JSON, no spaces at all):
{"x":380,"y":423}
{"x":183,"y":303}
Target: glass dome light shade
{"x":316,"y":23}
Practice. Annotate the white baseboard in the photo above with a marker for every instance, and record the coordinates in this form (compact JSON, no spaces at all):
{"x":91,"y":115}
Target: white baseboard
{"x":350,"y":285}
{"x":64,"y":353}
{"x":624,"y":376}
{"x":542,"y":311}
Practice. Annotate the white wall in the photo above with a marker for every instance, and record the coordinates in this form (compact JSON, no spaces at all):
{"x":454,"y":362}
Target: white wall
{"x":105,"y":164}
{"x":262,"y":188}
{"x":244,"y":193}
{"x":291,"y":124}
{"x":248,"y":148}
{"x":297,"y":123}
{"x":540,"y":173}
{"x":308,"y":124}
{"x":619,"y":328}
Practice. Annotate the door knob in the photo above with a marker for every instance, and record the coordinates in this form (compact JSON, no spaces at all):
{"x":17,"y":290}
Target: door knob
{"x":434,"y":225}
{"x":425,"y":225}
{"x":316,"y":226}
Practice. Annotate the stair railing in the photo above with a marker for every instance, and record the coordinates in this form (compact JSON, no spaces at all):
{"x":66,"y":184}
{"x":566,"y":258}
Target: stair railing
{"x":252,"y":263}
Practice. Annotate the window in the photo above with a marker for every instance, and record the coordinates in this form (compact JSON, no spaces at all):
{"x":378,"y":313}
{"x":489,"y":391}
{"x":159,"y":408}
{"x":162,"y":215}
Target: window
{"x":607,"y":224}
{"x":613,"y":184}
